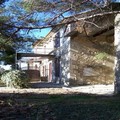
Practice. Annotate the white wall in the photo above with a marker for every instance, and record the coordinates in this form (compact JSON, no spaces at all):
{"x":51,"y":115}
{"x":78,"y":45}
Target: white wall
{"x":46,"y":48}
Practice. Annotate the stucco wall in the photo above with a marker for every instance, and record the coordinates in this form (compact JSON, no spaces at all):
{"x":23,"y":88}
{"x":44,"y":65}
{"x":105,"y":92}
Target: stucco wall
{"x":91,"y":60}
{"x":44,"y":48}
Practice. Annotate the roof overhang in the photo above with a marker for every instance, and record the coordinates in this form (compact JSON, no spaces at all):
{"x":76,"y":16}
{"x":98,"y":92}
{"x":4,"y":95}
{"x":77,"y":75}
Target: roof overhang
{"x":20,"y":55}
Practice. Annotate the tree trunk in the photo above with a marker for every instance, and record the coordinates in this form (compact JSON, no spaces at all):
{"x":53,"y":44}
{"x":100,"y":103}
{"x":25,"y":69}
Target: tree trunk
{"x":117,"y":56}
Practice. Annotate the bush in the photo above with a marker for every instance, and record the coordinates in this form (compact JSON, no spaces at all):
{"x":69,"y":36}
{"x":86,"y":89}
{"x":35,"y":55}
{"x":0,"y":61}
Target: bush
{"x":1,"y":71}
{"x":15,"y":79}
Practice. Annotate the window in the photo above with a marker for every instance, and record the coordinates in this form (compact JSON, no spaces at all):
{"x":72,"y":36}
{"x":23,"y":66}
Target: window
{"x":57,"y":40}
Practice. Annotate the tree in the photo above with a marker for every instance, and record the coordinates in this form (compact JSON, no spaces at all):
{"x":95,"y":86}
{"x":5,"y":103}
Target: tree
{"x":2,"y":1}
{"x":39,"y":14}
{"x":52,"y":12}
{"x":10,"y":40}
{"x":8,"y":55}
{"x":9,"y":35}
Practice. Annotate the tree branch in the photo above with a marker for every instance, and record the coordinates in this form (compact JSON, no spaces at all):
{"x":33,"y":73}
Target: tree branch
{"x":67,"y":20}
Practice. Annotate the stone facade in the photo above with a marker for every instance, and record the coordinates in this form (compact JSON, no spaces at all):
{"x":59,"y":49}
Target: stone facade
{"x":92,"y":60}
{"x":83,"y":53}
{"x":81,"y":60}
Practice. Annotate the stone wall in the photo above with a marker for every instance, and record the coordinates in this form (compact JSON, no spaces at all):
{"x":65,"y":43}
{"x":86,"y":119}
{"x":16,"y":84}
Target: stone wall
{"x":65,"y":61}
{"x":64,"y":57}
{"x":91,"y":60}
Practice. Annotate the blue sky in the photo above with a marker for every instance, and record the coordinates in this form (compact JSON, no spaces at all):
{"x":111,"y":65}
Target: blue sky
{"x":40,"y":33}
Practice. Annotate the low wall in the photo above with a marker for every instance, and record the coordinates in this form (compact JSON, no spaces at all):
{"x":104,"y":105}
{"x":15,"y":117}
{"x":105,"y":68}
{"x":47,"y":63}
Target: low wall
{"x":34,"y":75}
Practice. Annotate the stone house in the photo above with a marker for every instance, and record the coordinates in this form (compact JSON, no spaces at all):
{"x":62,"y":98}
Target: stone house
{"x":83,"y":52}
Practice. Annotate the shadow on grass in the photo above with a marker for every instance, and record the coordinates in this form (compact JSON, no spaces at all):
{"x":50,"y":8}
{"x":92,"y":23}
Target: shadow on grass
{"x":30,"y":106}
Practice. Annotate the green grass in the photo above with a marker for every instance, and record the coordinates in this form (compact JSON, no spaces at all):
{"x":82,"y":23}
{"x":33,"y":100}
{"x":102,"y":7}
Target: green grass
{"x":59,"y":107}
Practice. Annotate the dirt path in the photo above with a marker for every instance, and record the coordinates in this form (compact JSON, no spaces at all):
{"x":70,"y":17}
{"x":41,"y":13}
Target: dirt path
{"x":90,"y":89}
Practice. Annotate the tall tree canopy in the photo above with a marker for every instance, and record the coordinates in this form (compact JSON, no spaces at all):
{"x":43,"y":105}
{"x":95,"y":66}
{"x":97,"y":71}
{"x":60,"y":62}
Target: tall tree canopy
{"x":9,"y":17}
{"x":10,"y":39}
{"x":39,"y":14}
{"x":19,"y":18}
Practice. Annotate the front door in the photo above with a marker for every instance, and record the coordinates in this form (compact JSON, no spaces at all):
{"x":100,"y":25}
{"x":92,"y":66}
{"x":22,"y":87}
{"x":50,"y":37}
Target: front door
{"x":50,"y":72}
{"x":57,"y":67}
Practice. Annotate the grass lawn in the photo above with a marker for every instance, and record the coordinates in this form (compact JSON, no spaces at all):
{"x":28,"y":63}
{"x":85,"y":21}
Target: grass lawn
{"x":59,"y":107}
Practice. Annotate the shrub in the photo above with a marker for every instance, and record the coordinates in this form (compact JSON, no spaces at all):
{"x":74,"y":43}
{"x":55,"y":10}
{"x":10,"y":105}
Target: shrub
{"x":1,"y":71}
{"x":101,"y":56}
{"x":15,"y":79}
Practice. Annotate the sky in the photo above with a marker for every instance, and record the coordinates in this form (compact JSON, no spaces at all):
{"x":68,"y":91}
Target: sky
{"x":41,"y":33}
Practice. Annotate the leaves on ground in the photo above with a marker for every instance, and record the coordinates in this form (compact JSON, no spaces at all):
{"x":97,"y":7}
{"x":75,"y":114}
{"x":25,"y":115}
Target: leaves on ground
{"x":59,"y":107}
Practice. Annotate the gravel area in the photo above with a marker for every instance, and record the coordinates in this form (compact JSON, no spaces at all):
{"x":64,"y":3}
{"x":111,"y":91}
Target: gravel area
{"x":90,"y":89}
{"x":94,"y":89}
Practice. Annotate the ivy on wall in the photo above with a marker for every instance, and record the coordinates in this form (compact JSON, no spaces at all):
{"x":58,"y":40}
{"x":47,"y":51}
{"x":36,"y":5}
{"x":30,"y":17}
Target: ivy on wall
{"x":101,"y":56}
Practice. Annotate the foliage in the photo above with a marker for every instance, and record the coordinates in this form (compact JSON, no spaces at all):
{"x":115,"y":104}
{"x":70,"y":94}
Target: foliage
{"x":58,"y":5}
{"x":2,"y":1}
{"x":20,"y":18}
{"x":8,"y":55}
{"x":101,"y":55}
{"x":4,"y":18}
{"x":31,"y":14}
{"x":1,"y":70}
{"x":15,"y":79}
{"x":10,"y":36}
